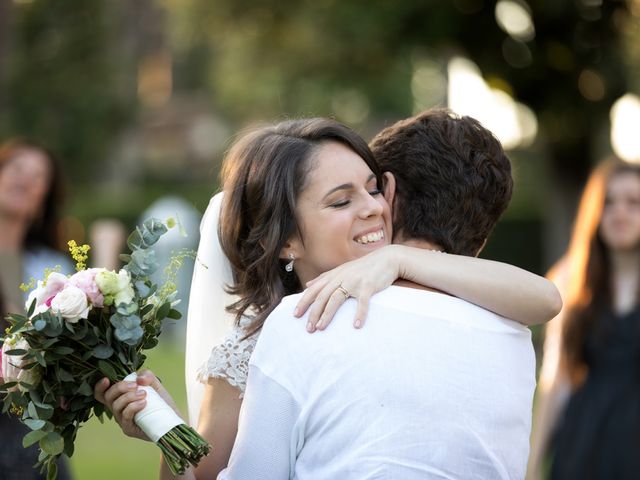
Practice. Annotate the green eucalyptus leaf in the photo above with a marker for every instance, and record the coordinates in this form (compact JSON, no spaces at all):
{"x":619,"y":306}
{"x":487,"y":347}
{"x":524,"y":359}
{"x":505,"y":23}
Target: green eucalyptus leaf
{"x":39,"y":324}
{"x":64,"y":376}
{"x":16,"y":351}
{"x":143,"y":263}
{"x":102,"y":351}
{"x":174,"y":314}
{"x":146,"y":309}
{"x":163,"y":311}
{"x":63,"y":350}
{"x":143,"y":289}
{"x":52,"y":443}
{"x":85,"y":389}
{"x":32,"y":437}
{"x":52,"y":471}
{"x":107,"y":370}
{"x":32,"y":307}
{"x":40,"y":358}
{"x":32,"y":411}
{"x":34,"y":424}
{"x":49,"y":342}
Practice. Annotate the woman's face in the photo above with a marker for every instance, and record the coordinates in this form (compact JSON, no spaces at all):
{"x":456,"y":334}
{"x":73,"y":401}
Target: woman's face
{"x":620,"y":223}
{"x":24,"y":183}
{"x":341,"y":212}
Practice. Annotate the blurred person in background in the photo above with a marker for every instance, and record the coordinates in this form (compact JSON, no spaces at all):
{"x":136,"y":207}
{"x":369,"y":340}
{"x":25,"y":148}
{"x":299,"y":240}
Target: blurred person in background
{"x":587,"y":415}
{"x":107,"y":237}
{"x":30,"y":198}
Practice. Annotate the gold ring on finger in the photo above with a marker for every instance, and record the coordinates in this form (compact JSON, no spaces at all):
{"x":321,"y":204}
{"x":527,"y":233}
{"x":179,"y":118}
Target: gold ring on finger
{"x":343,"y":291}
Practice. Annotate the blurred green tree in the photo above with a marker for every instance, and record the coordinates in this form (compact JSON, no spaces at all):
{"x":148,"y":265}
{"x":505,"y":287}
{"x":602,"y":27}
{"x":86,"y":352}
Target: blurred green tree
{"x":313,"y":57}
{"x":62,"y":79}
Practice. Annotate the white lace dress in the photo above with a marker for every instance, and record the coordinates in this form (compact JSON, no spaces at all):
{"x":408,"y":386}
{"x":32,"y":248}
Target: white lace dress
{"x":230,"y":359}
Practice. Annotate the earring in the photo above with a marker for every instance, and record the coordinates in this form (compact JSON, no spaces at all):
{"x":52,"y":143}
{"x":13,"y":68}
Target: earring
{"x":289,"y":266}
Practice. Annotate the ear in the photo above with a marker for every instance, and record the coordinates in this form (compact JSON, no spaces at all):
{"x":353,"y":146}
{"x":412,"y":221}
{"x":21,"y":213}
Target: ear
{"x":389,"y":189}
{"x":293,"y":246}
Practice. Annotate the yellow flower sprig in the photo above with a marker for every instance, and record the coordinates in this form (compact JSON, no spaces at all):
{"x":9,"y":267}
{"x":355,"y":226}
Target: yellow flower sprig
{"x":79,"y":253}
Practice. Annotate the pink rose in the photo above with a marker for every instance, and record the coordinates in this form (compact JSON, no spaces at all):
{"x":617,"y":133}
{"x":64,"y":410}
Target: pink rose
{"x":56,"y":282}
{"x":85,"y":280}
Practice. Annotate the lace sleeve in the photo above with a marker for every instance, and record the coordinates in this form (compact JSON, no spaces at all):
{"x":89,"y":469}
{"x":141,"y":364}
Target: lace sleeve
{"x":230,"y":359}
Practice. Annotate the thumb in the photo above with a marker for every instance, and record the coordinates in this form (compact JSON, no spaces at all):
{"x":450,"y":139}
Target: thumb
{"x":148,"y":378}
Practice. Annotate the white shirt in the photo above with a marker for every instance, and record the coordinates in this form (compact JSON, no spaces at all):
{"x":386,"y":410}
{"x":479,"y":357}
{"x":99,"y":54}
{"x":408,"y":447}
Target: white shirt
{"x":432,"y":387}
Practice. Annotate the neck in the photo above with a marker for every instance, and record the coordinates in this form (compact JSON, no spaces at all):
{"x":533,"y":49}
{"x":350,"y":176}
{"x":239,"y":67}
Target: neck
{"x":625,"y":278}
{"x":13,"y":233}
{"x":625,"y":261}
{"x":425,"y":245}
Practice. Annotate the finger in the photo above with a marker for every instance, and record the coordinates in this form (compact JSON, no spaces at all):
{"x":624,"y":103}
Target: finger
{"x":318,"y":307}
{"x":100,"y":388}
{"x":148,"y":378}
{"x":362,"y":310}
{"x":335,"y":302}
{"x":308,"y":297}
{"x":117,"y":390}
{"x":123,"y":401}
{"x":129,"y":412}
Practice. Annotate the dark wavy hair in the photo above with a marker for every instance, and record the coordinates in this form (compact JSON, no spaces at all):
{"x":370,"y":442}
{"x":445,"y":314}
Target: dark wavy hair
{"x":589,"y":286}
{"x":44,"y":228}
{"x":262,"y":177}
{"x":453,"y":179}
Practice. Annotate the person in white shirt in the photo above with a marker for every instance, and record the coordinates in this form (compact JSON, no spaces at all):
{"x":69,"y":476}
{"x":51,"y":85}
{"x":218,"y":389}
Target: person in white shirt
{"x":301,"y":198}
{"x":434,"y":387}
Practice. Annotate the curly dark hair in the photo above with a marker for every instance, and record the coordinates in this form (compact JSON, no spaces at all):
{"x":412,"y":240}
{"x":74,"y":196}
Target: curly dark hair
{"x":453,"y":179}
{"x":263,"y":176}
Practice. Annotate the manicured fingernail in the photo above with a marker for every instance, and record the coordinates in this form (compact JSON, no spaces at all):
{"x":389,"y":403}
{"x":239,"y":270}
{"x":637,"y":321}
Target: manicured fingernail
{"x":357,"y":324}
{"x":310,"y":327}
{"x":131,"y":385}
{"x":296,"y":312}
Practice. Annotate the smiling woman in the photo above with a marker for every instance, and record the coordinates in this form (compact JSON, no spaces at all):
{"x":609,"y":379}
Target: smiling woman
{"x":337,"y":222}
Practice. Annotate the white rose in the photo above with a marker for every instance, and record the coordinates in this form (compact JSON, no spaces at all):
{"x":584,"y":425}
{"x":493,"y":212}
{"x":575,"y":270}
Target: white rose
{"x":39,"y":295}
{"x":11,"y":364}
{"x":71,"y":304}
{"x":125,"y":291}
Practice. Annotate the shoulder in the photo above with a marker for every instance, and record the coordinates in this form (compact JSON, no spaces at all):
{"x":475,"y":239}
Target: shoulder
{"x":435,"y":305}
{"x":281,"y":319}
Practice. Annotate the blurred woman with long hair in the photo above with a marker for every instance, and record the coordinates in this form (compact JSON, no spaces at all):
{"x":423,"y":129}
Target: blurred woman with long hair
{"x":30,"y":198}
{"x":588,"y":403}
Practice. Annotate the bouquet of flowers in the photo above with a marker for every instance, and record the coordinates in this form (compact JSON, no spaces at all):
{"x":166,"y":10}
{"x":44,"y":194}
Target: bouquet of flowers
{"x":79,"y":329}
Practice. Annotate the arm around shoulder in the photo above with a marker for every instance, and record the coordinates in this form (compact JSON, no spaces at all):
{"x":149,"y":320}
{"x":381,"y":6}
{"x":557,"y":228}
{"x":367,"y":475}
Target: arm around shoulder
{"x":504,"y":289}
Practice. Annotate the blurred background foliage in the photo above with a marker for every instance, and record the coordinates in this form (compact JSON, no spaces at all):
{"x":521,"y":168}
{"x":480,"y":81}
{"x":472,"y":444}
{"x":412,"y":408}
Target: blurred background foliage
{"x":140,"y":99}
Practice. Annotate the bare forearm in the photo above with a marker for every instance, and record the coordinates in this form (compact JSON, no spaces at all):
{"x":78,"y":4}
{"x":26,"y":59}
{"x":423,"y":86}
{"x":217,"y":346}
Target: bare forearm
{"x":165,"y":473}
{"x":504,"y":289}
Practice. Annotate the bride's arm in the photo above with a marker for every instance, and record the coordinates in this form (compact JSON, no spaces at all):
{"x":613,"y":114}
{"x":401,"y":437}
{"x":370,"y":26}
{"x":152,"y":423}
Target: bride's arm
{"x":504,"y":289}
{"x":218,"y":424}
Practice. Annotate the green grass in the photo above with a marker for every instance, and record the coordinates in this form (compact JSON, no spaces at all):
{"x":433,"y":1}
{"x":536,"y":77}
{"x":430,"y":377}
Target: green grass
{"x":103,"y":452}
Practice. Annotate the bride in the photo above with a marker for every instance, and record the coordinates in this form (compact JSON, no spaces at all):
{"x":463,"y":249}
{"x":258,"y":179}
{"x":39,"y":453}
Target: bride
{"x":273,"y":253}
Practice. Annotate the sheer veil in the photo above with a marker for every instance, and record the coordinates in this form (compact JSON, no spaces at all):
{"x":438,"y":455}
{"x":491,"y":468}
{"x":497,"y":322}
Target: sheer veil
{"x":207,"y":320}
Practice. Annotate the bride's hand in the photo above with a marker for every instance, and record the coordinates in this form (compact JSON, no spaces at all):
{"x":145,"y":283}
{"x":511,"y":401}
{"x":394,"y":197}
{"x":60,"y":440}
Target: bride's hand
{"x":360,"y":278}
{"x":124,"y":399}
